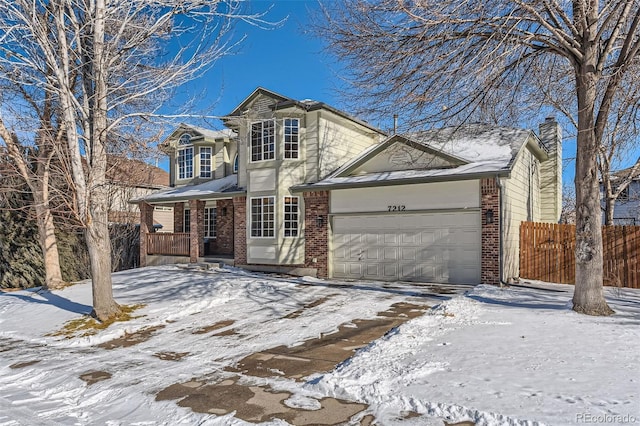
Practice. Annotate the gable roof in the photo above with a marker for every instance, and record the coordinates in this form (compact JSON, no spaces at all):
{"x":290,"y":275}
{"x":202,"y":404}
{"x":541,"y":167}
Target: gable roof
{"x":134,"y":173}
{"x":282,"y":102}
{"x":474,"y":150}
{"x":258,"y":91}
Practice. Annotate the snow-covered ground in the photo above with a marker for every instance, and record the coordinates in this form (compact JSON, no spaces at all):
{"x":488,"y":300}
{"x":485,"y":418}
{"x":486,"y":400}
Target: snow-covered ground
{"x":490,"y":355}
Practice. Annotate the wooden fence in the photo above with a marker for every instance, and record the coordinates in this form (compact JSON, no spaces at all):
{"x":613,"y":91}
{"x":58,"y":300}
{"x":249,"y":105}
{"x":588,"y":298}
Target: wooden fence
{"x":172,"y":244}
{"x":547,"y":253}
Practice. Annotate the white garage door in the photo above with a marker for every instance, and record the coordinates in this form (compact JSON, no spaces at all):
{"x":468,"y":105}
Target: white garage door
{"x":429,"y":247}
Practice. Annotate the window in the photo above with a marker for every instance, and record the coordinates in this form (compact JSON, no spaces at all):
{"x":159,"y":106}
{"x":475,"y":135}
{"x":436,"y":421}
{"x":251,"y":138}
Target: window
{"x":205,"y":162}
{"x":186,"y":223}
{"x":235,"y":164}
{"x":185,"y":139}
{"x":185,"y":163}
{"x":291,"y":216}
{"x":210,"y":222}
{"x":262,"y":217}
{"x":263,"y":140}
{"x":291,"y":137}
{"x":624,"y":194}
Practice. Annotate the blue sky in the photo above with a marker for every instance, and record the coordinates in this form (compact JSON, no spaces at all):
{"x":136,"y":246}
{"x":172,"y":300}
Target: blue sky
{"x":286,"y":60}
{"x":282,"y":59}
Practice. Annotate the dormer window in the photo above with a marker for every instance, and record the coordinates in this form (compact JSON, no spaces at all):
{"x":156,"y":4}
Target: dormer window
{"x":185,"y":139}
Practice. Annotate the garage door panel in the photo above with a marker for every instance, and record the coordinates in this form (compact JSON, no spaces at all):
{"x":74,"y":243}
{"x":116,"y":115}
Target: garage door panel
{"x":437,"y":247}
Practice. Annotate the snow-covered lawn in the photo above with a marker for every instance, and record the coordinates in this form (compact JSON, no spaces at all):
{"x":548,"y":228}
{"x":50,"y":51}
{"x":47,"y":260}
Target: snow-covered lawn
{"x":490,"y":355}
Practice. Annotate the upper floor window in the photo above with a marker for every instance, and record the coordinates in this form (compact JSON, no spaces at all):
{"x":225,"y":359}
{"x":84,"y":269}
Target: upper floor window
{"x":291,"y":137}
{"x":263,"y":217}
{"x":235,"y":163}
{"x":624,"y":194}
{"x":210,"y":222}
{"x":185,"y":163}
{"x":291,"y":216}
{"x":205,"y":162}
{"x":263,"y":140}
{"x":185,"y":139}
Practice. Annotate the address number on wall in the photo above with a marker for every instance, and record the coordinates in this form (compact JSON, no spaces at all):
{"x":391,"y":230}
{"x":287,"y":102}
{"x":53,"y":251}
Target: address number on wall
{"x":396,"y":208}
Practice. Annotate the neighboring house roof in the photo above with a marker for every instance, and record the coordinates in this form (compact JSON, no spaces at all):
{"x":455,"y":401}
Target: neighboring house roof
{"x":626,"y":173}
{"x":463,"y":152}
{"x":213,"y":189}
{"x":135,"y":173}
{"x":282,"y":102}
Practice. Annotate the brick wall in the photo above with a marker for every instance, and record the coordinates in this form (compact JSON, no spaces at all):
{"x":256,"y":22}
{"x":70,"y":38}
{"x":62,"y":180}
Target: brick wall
{"x":490,"y":232}
{"x":240,"y":230}
{"x":316,"y":244}
{"x":224,"y":227}
{"x":146,"y":226}
{"x":197,"y":230}
{"x":178,"y":217}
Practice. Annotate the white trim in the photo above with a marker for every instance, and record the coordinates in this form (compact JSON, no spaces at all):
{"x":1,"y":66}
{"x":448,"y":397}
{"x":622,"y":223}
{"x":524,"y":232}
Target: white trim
{"x":284,"y":135}
{"x":210,"y":161}
{"x":262,"y":214}
{"x":206,"y":222}
{"x":284,"y":217}
{"x":186,"y":175}
{"x":262,"y":141}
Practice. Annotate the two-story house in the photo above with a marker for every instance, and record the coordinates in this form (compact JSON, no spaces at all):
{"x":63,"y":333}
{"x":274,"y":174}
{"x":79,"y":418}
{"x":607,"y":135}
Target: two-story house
{"x":626,"y":210}
{"x":304,"y":188}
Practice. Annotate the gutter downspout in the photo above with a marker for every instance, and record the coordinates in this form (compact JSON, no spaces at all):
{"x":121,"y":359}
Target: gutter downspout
{"x":500,"y":230}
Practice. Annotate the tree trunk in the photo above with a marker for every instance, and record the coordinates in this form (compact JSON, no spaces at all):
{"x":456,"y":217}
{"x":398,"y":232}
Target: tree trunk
{"x":48,"y":244}
{"x":99,"y":247}
{"x":588,"y":297}
{"x":104,"y":306}
{"x":609,"y":206}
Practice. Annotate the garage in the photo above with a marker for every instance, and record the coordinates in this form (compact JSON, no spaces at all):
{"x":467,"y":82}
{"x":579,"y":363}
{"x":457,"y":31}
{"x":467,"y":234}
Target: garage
{"x":443,"y":247}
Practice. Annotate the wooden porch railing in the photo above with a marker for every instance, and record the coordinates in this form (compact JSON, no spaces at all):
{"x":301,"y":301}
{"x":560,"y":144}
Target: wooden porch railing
{"x":174,"y":244}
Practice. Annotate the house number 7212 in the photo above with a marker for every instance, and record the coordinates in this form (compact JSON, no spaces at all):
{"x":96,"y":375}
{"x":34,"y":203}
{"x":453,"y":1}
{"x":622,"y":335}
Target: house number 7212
{"x":396,"y":208}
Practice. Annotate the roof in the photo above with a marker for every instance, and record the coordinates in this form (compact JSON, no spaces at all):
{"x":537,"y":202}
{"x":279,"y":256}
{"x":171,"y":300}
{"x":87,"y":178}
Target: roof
{"x":626,"y":173}
{"x":208,"y":133}
{"x":282,"y":102}
{"x":213,"y":189}
{"x":473,"y":151}
{"x":130,"y":172}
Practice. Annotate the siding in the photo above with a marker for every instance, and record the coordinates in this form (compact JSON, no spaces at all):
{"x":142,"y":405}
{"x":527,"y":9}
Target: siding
{"x":424,"y":196}
{"x":340,"y":141}
{"x":521,"y":202}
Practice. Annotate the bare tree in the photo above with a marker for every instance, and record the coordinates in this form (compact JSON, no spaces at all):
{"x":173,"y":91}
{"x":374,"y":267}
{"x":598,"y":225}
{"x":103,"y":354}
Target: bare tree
{"x":108,"y":60}
{"x":621,"y":137}
{"x":444,"y":60}
{"x":34,"y":161}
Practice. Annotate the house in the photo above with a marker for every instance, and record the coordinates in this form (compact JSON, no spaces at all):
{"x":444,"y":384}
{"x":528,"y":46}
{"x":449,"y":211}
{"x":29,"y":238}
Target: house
{"x":129,"y":178}
{"x":304,"y":188}
{"x":626,"y":210}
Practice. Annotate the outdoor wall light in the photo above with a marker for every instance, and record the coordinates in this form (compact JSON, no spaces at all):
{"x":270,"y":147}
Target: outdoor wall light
{"x":224,"y":211}
{"x":319,"y":221}
{"x":489,"y":216}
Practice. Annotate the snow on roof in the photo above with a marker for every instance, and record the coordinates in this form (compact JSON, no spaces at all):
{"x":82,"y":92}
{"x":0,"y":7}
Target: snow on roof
{"x":476,"y":142}
{"x":202,"y":190}
{"x":213,"y":134}
{"x":483,"y":167}
{"x":488,"y":149}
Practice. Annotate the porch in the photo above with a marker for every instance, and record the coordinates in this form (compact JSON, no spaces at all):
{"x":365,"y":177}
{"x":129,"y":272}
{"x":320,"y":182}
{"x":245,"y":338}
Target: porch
{"x":206,"y":234}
